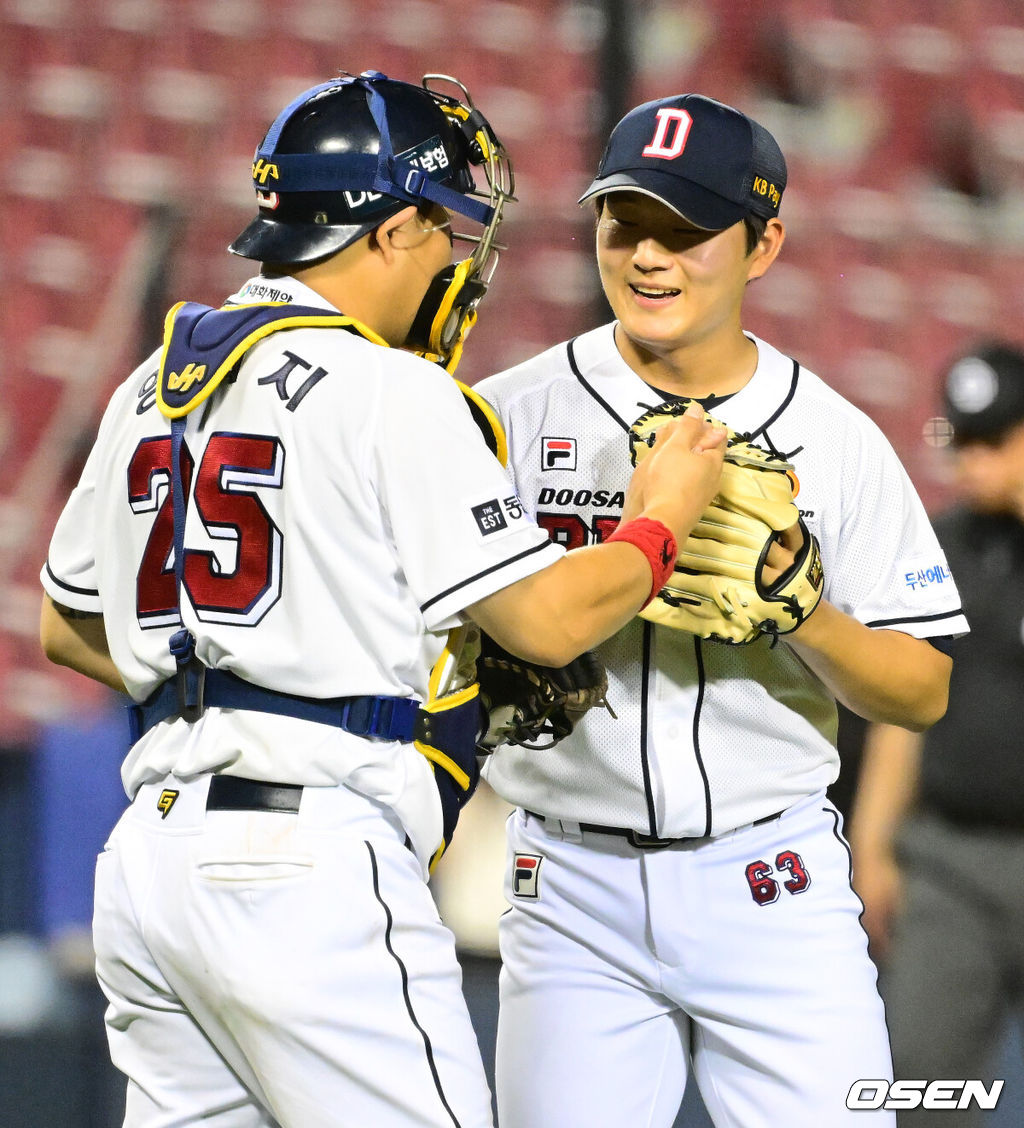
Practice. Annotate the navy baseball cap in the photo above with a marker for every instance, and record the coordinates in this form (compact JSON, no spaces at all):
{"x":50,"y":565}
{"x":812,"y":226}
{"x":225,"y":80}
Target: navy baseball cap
{"x":705,"y":160}
{"x":983,"y":392}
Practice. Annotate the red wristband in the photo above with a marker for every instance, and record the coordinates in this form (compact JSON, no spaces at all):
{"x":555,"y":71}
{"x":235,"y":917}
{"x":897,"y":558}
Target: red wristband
{"x":657,"y":542}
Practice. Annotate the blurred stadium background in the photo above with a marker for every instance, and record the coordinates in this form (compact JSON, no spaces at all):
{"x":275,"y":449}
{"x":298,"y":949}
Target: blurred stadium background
{"x":126,"y":132}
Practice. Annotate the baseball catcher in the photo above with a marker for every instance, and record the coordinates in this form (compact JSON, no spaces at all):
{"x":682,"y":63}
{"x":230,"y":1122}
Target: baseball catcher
{"x":731,"y":583}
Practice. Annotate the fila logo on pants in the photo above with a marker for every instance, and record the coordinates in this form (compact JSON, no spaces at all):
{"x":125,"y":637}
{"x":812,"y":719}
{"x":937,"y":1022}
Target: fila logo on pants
{"x":526,"y":875}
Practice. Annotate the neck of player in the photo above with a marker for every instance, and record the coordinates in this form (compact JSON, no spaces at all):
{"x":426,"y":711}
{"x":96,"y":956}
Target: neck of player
{"x":718,"y":365}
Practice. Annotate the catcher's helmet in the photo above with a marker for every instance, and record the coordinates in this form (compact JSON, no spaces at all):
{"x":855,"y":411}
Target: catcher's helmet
{"x":349,"y":153}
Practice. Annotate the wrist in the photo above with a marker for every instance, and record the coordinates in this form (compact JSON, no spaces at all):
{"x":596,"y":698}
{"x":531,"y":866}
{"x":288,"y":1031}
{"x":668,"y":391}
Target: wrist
{"x":815,"y":631}
{"x":657,"y":542}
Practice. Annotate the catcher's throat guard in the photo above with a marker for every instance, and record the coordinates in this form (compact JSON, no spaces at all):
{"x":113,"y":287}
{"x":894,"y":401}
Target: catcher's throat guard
{"x":446,"y":315}
{"x":449,"y":308}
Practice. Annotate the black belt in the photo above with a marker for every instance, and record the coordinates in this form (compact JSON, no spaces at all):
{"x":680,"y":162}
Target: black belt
{"x":644,"y":841}
{"x":234,"y":793}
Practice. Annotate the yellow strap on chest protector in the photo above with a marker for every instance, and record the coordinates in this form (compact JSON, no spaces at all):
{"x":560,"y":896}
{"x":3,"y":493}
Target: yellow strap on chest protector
{"x":486,"y":418}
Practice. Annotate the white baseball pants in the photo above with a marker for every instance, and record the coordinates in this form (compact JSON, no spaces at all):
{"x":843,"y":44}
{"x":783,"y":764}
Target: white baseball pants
{"x":282,"y":969}
{"x":623,"y":968}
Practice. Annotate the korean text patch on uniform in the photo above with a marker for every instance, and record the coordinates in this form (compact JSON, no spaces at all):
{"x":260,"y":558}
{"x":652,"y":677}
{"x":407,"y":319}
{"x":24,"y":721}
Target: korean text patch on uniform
{"x":922,"y":573}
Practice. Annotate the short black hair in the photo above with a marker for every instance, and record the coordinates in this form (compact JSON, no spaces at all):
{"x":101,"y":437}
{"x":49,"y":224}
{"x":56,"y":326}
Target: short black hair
{"x":755,"y":225}
{"x":424,"y":209}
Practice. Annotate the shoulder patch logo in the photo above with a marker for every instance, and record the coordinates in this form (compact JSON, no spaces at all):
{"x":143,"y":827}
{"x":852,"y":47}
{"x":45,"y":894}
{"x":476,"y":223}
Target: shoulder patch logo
{"x":166,"y":802}
{"x":489,"y":517}
{"x":526,"y":875}
{"x":558,"y":454}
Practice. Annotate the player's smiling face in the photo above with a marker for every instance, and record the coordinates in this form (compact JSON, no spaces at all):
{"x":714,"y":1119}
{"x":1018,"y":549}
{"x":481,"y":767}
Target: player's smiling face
{"x":669,"y":283}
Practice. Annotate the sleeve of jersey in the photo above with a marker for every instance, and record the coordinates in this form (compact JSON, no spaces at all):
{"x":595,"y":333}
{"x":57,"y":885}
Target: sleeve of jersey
{"x":460,"y":530}
{"x":69,"y":574}
{"x":891,"y":572}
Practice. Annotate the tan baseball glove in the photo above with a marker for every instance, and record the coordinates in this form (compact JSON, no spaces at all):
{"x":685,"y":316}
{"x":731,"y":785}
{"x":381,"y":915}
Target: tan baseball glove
{"x":719,"y":588}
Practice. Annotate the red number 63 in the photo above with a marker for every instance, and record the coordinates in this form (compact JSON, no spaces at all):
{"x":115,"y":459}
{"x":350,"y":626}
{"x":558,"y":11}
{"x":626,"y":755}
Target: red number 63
{"x":765,"y":889}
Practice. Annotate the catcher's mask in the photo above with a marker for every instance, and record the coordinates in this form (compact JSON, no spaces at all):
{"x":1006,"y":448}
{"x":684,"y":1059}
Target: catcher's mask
{"x":346,"y":155}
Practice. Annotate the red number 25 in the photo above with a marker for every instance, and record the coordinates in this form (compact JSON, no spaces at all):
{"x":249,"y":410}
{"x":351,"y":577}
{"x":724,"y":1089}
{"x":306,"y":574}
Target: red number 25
{"x":237,"y":577}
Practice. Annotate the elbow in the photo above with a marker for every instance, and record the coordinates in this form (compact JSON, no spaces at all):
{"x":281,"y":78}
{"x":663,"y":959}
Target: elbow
{"x":49,"y":640}
{"x":929,"y":704}
{"x":916,"y":711}
{"x":928,"y":711}
{"x":55,"y":650}
{"x":924,"y":698}
{"x":557,"y":656}
{"x":50,"y":650}
{"x":563,"y":642}
{"x":54,"y":637}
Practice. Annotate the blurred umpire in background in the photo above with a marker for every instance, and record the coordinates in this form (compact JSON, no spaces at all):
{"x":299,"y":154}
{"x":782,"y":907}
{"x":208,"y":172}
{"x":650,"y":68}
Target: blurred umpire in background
{"x":938,"y":820}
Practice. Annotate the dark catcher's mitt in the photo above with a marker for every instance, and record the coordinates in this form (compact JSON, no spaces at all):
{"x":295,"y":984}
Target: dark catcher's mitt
{"x":718,"y":590}
{"x":534,"y":706}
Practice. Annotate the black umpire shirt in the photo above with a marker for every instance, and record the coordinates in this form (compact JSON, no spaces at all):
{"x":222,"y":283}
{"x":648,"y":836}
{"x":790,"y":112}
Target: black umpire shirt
{"x":973,"y":767}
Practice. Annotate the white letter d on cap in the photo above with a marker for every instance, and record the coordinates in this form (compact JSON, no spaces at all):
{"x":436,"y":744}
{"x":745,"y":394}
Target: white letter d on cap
{"x":667,"y":117}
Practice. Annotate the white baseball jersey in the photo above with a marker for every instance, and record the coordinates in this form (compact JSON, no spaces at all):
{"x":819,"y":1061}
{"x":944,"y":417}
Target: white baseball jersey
{"x":347,"y":510}
{"x":709,"y":737}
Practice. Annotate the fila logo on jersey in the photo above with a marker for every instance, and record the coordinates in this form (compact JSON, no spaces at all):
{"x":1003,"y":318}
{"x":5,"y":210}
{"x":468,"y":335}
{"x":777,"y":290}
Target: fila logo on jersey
{"x":558,"y":454}
{"x":526,"y":875}
{"x":166,"y":802}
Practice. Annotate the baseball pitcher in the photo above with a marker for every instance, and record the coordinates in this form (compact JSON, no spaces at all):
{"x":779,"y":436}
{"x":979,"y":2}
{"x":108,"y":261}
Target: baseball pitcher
{"x":678,"y":880}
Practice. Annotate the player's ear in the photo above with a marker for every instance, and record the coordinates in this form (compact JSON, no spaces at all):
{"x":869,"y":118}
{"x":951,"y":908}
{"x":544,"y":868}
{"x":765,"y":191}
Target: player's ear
{"x":767,"y":249}
{"x":381,"y":238}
